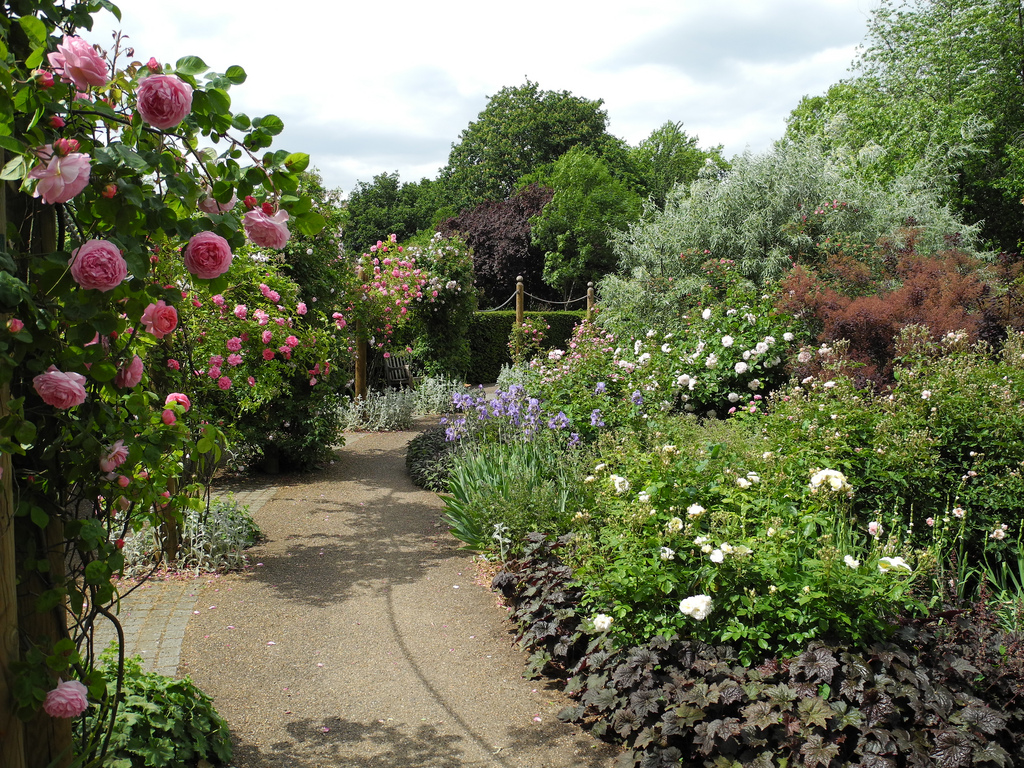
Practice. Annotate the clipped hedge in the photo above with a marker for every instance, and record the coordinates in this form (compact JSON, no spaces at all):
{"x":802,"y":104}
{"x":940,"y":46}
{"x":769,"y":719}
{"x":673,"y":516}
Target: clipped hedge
{"x":488,"y":339}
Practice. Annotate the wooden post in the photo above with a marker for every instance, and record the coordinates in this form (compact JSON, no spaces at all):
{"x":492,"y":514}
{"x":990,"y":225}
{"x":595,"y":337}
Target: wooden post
{"x":520,"y":300}
{"x":12,"y":752}
{"x":590,"y":300}
{"x":361,"y":349}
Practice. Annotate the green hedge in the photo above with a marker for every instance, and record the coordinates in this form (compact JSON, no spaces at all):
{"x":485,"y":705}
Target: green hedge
{"x":488,"y":339}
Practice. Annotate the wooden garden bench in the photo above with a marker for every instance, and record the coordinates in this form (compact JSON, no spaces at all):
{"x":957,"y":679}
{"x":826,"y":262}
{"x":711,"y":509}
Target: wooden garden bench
{"x":398,"y":374}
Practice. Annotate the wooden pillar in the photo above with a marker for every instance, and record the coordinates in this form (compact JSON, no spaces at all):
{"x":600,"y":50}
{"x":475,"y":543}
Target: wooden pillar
{"x":12,"y":752}
{"x":520,"y":300}
{"x":590,"y":300}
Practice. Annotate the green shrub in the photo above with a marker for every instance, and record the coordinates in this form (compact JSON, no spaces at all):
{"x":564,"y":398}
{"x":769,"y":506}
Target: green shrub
{"x":161,"y":722}
{"x":428,"y":459}
{"x":489,"y":334}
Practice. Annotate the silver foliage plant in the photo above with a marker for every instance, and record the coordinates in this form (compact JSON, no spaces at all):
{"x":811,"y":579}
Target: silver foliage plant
{"x":394,"y":409}
{"x":751,"y":214}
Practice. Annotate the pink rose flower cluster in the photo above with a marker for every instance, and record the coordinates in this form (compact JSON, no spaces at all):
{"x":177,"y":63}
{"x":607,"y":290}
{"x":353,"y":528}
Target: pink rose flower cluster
{"x":63,"y":172}
{"x":207,"y":255}
{"x":77,"y":62}
{"x":69,"y":699}
{"x":163,"y":101}
{"x":59,"y":389}
{"x":98,"y":265}
{"x":267,"y":230}
{"x":160,"y":319}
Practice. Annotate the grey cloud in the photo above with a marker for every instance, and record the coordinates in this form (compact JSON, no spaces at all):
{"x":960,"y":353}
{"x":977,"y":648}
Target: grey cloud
{"x":710,"y":43}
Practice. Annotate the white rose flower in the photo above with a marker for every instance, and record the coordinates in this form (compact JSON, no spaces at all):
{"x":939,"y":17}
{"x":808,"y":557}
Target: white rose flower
{"x":711,"y":361}
{"x":706,"y":314}
{"x":668,"y":554}
{"x":851,"y":562}
{"x":602,"y":622}
{"x":726,"y":547}
{"x":621,"y":484}
{"x":787,"y":336}
{"x":733,"y":397}
{"x":743,"y":482}
{"x":754,"y":385}
{"x":651,"y":334}
{"x":700,"y":540}
{"x":887,"y":564}
{"x":741,"y":367}
{"x":666,"y":348}
{"x":706,"y":549}
{"x":644,"y":359}
{"x":695,"y":510}
{"x":761,"y":347}
{"x":717,"y":556}
{"x":599,"y":467}
{"x":696,"y":607}
{"x":675,"y":525}
{"x":727,"y":341}
{"x":589,"y":479}
{"x":643,"y":497}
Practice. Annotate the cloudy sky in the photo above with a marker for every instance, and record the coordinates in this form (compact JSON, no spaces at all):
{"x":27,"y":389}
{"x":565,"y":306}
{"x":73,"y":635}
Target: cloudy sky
{"x":383,"y":86}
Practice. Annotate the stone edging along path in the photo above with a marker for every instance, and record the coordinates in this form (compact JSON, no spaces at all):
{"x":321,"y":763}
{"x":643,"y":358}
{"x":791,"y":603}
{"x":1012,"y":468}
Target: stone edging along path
{"x":360,"y":636}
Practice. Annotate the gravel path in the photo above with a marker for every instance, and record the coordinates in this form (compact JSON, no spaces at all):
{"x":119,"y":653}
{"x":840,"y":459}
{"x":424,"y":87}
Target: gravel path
{"x":361,"y":637}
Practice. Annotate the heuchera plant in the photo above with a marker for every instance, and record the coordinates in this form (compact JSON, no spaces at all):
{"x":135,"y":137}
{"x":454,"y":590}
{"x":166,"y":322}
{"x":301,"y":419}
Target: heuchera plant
{"x":106,"y":152}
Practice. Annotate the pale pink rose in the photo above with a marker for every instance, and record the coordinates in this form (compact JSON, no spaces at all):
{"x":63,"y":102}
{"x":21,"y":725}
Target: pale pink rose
{"x":14,"y":325}
{"x":163,"y":101}
{"x":211,"y":206}
{"x":60,"y":177}
{"x":875,"y":528}
{"x":300,"y":308}
{"x":267,"y":231}
{"x":68,"y":699}
{"x":180,"y":399}
{"x":168,"y":417}
{"x":207,"y":255}
{"x":160,"y":319}
{"x":234,"y":344}
{"x":234,"y":360}
{"x":241,"y":311}
{"x":80,"y":63}
{"x":59,"y":389}
{"x":98,"y":265}
{"x":130,"y":374}
{"x":114,"y":457}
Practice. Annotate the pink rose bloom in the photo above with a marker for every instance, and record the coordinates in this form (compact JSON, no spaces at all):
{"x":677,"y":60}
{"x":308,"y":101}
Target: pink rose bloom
{"x":180,"y":399}
{"x":300,"y":308}
{"x":69,"y":698}
{"x":269,"y":293}
{"x":234,"y":344}
{"x":210,"y":206}
{"x":207,"y":255}
{"x":214,"y":372}
{"x":114,"y":457}
{"x":262,"y":318}
{"x":224,"y":382}
{"x":80,"y":63}
{"x":163,"y":101}
{"x":234,"y":360}
{"x":292,"y":341}
{"x":123,"y":481}
{"x":14,"y":325}
{"x":240,"y":311}
{"x":267,"y":336}
{"x":98,"y":265}
{"x":267,"y":231}
{"x":60,"y":177}
{"x":268,"y":354}
{"x":216,"y":360}
{"x":59,"y":389}
{"x":874,"y":528}
{"x":218,"y":300}
{"x":130,"y":375}
{"x":160,"y":319}
{"x":252,"y":381}
{"x":168,"y":417}
{"x":173,"y":364}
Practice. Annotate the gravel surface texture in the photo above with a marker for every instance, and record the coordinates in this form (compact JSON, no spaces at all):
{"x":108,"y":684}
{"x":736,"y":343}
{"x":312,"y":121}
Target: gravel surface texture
{"x":361,"y":636}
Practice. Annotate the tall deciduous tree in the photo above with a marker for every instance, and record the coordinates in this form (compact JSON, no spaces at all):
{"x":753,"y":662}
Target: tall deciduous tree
{"x":939,"y":80}
{"x":668,"y":157}
{"x":521,"y":129}
{"x":499,"y":234}
{"x":384,"y":206}
{"x":573,"y":229}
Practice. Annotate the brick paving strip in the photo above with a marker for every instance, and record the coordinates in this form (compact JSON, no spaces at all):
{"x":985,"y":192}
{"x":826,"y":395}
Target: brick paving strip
{"x":154,"y":616}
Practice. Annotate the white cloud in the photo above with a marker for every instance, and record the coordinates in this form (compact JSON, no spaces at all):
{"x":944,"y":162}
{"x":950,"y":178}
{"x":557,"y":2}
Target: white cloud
{"x":377,"y":87}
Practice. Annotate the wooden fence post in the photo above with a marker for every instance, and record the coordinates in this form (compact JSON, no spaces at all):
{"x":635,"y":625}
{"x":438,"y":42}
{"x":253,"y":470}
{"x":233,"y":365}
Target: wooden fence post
{"x":590,"y":300}
{"x":520,"y":300}
{"x":12,"y":751}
